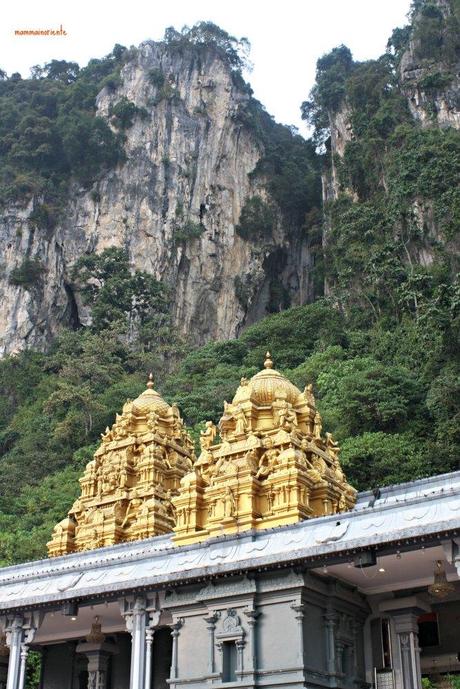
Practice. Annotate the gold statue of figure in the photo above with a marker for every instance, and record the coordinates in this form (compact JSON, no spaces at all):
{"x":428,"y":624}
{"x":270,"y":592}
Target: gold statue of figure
{"x":208,"y":435}
{"x":126,"y":490}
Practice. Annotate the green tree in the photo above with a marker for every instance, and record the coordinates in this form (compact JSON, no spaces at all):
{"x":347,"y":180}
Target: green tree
{"x":115,"y":293}
{"x":235,"y":51}
{"x":361,"y":394}
{"x":328,"y":92}
{"x":61,"y":70}
{"x":376,"y":459}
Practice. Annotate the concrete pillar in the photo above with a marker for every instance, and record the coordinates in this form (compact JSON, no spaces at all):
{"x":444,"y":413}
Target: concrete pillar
{"x":175,"y":648}
{"x":331,"y":619}
{"x":98,"y":654}
{"x":98,"y":665}
{"x":148,"y":657}
{"x":211,"y":627}
{"x":299,"y":615}
{"x":404,"y":613}
{"x":406,"y":628}
{"x":14,"y":635}
{"x":239,"y":658}
{"x":134,"y":611}
{"x":22,"y":666}
{"x":252,"y":616}
{"x":139,"y":622}
{"x":19,"y":631}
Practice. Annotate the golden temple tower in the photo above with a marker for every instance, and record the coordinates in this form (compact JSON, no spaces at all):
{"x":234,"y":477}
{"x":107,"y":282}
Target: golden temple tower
{"x":272,"y":465}
{"x":127,"y":489}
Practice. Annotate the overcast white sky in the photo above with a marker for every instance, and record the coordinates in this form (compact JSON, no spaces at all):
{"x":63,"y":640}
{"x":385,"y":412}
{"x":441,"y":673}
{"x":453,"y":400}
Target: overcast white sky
{"x":287,"y":37}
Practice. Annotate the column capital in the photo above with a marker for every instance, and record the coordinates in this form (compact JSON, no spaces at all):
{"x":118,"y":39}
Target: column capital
{"x":406,"y":622}
{"x":331,"y":618}
{"x":26,"y":623}
{"x":131,"y":608}
{"x":299,"y":609}
{"x":212,"y":619}
{"x":153,"y":618}
{"x":251,"y":614}
{"x":176,"y":627}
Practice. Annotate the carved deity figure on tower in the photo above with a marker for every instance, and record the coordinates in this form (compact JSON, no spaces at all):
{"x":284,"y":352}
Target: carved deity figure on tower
{"x":208,"y":435}
{"x":287,"y":418}
{"x":268,"y":459}
{"x":241,"y":422}
{"x":229,"y":503}
{"x":318,"y":425}
{"x":127,"y":489}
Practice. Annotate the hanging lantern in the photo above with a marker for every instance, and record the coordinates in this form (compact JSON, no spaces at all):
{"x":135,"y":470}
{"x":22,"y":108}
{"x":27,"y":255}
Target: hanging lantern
{"x":440,"y":588}
{"x":96,"y":635}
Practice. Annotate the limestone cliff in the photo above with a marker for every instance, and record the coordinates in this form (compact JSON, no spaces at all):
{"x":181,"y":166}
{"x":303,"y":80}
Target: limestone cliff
{"x":427,"y":76}
{"x":390,"y":163}
{"x":189,"y":160}
{"x":341,"y":132}
{"x":430,"y":70}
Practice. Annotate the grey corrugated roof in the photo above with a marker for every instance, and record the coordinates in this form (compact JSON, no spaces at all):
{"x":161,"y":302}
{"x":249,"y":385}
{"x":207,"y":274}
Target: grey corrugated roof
{"x":407,"y":511}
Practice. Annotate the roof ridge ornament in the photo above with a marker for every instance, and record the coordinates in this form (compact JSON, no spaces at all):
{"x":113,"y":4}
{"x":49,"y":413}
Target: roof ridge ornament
{"x":150,"y":381}
{"x":268,"y":363}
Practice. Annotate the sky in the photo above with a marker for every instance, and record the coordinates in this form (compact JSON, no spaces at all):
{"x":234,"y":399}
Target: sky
{"x":286,"y":37}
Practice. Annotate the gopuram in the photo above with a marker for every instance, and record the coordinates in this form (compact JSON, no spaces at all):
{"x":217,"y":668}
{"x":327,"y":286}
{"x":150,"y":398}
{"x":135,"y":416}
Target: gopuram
{"x":127,"y":489}
{"x":272,"y":465}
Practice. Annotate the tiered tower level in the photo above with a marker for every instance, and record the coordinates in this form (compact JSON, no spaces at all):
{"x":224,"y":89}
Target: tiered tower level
{"x":271,"y":466}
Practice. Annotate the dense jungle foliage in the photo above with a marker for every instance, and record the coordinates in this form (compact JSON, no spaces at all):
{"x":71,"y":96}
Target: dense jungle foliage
{"x":381,"y":348}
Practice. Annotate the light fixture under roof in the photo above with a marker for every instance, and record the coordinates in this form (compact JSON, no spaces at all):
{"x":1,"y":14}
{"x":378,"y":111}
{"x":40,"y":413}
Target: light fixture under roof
{"x":440,"y":588}
{"x":69,"y":609}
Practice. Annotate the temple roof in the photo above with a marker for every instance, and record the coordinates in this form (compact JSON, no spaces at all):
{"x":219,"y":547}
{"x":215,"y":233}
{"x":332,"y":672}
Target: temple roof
{"x":407,"y":513}
{"x":150,"y":400}
{"x":266,"y":385}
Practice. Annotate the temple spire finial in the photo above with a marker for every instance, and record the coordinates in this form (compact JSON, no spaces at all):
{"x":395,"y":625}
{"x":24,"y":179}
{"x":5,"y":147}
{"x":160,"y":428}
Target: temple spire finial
{"x":268,"y":363}
{"x":150,"y":381}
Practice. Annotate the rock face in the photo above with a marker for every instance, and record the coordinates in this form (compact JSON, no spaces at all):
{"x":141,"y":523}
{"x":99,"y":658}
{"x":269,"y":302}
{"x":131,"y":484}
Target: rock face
{"x":188,"y":161}
{"x":432,"y":85}
{"x":439,"y":106}
{"x":341,"y":134}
